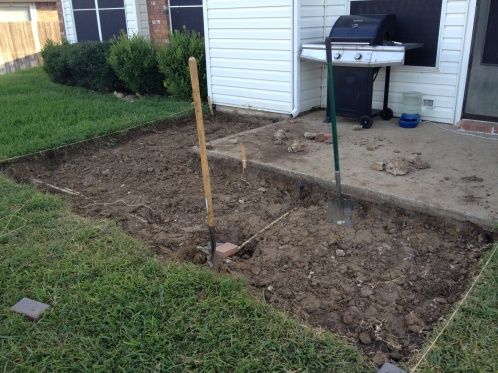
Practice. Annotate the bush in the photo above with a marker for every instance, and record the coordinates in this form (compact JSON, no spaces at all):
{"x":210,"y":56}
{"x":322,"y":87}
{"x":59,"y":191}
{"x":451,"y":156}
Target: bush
{"x":55,"y":61}
{"x":83,"y":64}
{"x":173,"y":63}
{"x":134,"y":60}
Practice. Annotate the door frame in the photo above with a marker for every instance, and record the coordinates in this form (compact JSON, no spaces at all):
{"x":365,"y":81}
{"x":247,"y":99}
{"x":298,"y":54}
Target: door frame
{"x":465,"y":60}
{"x":469,"y":71}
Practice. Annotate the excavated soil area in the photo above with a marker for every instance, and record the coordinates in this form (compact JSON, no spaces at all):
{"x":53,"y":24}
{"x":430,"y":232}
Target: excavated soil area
{"x":382,"y":284}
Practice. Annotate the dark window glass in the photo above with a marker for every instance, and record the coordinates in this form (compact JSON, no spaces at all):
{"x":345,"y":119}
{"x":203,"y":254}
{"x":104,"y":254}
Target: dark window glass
{"x":112,"y":22}
{"x":111,"y":3}
{"x":86,"y":25}
{"x":417,"y":22}
{"x":83,"y":4}
{"x":185,"y":2}
{"x":190,"y":18}
{"x":490,"y":54}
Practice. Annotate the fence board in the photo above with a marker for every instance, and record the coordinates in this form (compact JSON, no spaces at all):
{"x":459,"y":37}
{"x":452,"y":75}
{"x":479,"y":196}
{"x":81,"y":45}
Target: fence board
{"x":17,"y":44}
{"x":49,"y":30}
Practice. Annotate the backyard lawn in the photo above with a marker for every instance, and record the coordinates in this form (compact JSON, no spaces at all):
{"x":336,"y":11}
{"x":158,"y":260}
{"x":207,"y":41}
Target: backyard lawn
{"x":36,"y":114}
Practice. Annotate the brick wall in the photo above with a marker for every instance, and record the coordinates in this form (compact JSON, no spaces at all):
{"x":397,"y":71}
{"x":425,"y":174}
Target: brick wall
{"x":158,"y":21}
{"x":58,"y":4}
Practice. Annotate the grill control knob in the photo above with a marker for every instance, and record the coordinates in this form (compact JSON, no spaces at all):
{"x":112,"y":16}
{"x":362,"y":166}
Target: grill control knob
{"x":337,"y":56}
{"x":358,"y":56}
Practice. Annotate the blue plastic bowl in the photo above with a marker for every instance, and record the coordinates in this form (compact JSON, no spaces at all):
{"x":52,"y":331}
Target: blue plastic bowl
{"x":409,"y":120}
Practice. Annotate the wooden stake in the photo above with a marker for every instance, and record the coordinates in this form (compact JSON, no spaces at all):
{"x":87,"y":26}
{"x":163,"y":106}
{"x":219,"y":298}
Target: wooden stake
{"x":243,"y":157}
{"x":202,"y":150}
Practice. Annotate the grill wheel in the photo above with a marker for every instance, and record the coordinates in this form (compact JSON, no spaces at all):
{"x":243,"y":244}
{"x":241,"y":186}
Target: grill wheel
{"x":366,"y":122}
{"x":387,"y":114}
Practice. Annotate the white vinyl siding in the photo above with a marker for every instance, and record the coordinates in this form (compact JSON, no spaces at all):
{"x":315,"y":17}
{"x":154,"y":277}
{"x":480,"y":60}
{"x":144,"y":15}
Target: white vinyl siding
{"x":439,"y":83}
{"x":249,"y":49}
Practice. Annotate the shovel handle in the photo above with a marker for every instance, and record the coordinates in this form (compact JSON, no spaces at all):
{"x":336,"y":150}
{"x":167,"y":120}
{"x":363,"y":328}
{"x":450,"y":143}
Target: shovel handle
{"x":202,"y":148}
{"x":332,"y":111}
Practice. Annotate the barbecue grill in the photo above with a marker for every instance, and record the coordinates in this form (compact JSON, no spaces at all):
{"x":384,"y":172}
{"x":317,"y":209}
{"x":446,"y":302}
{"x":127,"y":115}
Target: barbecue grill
{"x":361,"y":46}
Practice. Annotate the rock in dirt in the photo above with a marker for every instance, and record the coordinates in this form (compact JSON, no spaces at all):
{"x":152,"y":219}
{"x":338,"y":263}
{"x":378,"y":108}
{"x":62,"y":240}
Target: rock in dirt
{"x":233,"y":141}
{"x":280,"y":135}
{"x":262,"y":189}
{"x":311,"y":303}
{"x":414,"y":323}
{"x":364,"y":338}
{"x":106,"y":172}
{"x":378,"y":166}
{"x":395,"y":355}
{"x":340,"y":253}
{"x":366,"y":292}
{"x":371,"y":148}
{"x":296,"y":147}
{"x":379,"y":358}
{"x":357,"y":127}
{"x":309,"y":135}
{"x":398,"y":166}
{"x":418,"y":163}
{"x":347,"y":318}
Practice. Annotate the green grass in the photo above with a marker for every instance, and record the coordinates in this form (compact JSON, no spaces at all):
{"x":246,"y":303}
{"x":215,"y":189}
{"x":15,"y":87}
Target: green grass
{"x":36,"y":114}
{"x":115,"y":308}
{"x":470,"y":343}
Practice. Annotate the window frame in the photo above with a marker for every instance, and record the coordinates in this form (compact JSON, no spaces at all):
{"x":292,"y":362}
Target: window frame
{"x":97,"y":10}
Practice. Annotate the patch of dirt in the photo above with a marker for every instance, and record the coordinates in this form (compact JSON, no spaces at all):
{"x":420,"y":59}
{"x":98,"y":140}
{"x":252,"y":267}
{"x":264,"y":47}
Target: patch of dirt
{"x":382,"y":284}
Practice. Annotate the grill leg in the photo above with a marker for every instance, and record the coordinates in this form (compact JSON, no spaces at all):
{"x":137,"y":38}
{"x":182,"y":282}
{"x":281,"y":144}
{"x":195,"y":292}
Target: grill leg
{"x":386,"y":88}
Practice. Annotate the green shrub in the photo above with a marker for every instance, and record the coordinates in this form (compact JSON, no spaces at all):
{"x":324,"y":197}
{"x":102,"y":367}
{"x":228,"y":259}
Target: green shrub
{"x":83,"y":64}
{"x":134,"y":60}
{"x":173,"y":63}
{"x":89,"y":67}
{"x":55,"y":61}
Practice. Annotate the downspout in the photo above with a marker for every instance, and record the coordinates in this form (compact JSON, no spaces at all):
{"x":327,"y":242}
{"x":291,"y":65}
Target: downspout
{"x":296,"y":63}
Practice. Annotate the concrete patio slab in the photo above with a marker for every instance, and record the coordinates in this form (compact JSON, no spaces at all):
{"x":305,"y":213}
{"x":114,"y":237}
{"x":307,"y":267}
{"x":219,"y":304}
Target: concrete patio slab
{"x":461,"y":183}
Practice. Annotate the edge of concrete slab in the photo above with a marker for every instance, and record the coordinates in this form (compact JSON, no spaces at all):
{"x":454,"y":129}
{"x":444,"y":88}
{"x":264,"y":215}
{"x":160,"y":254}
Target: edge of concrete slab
{"x":359,"y":193}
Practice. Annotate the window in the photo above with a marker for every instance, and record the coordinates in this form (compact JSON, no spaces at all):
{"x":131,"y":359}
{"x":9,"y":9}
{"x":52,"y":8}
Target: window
{"x":417,"y":21}
{"x":16,"y":13}
{"x":186,"y":14}
{"x":99,"y":20}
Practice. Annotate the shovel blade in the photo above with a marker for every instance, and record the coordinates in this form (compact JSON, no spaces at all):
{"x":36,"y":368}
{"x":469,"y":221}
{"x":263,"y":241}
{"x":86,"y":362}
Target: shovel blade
{"x":340,"y":212}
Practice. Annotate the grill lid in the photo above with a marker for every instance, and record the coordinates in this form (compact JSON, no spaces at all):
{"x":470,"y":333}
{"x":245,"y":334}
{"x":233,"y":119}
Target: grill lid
{"x":372,"y":29}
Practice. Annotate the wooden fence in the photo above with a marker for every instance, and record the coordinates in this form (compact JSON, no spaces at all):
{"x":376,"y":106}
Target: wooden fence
{"x":20,"y":47}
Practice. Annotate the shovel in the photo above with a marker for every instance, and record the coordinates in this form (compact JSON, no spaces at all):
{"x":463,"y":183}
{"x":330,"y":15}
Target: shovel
{"x":339,"y":209}
{"x":203,"y":155}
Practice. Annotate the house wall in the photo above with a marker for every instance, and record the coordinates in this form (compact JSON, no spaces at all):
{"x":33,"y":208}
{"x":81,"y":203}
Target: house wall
{"x":249,"y":50}
{"x":440,"y":83}
{"x":46,"y":12}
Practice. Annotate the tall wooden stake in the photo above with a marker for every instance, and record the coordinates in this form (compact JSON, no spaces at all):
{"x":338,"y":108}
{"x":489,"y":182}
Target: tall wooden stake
{"x":202,"y":151}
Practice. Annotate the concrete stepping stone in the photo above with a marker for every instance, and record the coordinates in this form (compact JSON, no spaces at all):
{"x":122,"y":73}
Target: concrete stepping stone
{"x":30,"y":308}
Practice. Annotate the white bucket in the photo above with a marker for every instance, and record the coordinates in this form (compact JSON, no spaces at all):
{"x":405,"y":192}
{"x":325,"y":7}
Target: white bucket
{"x":412,"y":103}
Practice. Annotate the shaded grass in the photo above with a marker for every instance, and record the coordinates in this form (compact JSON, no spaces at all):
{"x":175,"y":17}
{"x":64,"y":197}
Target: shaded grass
{"x":36,"y":114}
{"x":470,"y":343}
{"x":115,"y":308}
